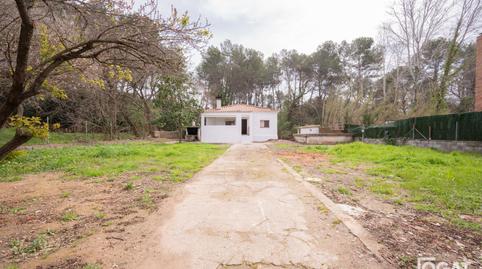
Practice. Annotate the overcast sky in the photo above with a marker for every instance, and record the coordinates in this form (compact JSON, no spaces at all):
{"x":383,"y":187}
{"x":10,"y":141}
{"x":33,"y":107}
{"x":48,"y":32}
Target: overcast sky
{"x":272,"y":25}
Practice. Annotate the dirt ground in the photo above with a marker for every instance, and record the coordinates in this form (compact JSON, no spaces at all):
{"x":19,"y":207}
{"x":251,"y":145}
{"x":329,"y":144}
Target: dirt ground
{"x":45,"y":217}
{"x":242,"y":211}
{"x":406,"y":233}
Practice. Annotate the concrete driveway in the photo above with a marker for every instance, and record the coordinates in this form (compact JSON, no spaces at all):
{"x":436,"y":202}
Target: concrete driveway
{"x":246,"y":211}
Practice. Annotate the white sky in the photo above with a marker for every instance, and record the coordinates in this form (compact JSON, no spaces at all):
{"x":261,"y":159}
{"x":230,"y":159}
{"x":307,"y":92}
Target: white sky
{"x":272,"y":25}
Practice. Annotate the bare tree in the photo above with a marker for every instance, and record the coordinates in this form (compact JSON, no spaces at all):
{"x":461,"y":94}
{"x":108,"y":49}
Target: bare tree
{"x":467,"y":23}
{"x":415,"y":22}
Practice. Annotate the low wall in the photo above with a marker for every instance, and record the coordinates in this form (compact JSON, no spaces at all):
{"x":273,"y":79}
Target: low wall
{"x":166,"y":134}
{"x":323,"y":139}
{"x":443,"y":145}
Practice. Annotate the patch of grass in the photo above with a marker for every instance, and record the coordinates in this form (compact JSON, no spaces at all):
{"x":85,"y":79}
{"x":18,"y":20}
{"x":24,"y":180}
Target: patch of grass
{"x":336,"y":222}
{"x":100,"y":215}
{"x":382,"y":188}
{"x":58,"y":137}
{"x":159,"y":178}
{"x":360,"y":182}
{"x":18,"y":246}
{"x":107,"y":223}
{"x":114,"y":159}
{"x":146,"y":200}
{"x":136,"y":177}
{"x":12,"y":266}
{"x":65,"y":194}
{"x":331,"y":171}
{"x":129,"y":186}
{"x":92,"y":266}
{"x":343,"y":190}
{"x":69,"y":215}
{"x":297,"y":168}
{"x":443,"y":183}
{"x":17,"y":210}
{"x":323,"y":209}
{"x":284,"y":146}
{"x":406,"y":261}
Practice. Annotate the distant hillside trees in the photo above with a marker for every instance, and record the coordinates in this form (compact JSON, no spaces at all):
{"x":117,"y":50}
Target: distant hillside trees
{"x":422,"y":64}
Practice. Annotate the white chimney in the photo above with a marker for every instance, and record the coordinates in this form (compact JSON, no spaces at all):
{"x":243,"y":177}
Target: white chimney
{"x":218,"y":102}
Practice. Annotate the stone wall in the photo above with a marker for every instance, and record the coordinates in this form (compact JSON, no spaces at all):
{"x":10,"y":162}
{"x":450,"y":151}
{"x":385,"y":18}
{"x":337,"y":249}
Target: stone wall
{"x":443,"y":145}
{"x":323,"y":139}
{"x":478,"y":75}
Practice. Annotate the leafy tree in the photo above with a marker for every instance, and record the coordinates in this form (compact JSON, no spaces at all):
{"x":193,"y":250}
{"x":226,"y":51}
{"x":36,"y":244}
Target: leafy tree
{"x":177,"y":104}
{"x":43,"y":42}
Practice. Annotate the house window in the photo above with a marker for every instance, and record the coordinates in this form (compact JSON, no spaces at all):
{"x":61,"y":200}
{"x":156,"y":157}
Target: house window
{"x":264,"y":124}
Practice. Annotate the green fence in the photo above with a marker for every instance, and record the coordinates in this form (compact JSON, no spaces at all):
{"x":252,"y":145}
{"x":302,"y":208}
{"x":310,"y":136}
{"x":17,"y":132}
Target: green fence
{"x":463,"y":127}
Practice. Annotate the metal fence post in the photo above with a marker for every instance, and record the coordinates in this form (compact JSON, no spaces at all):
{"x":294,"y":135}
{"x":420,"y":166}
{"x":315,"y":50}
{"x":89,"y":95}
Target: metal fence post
{"x":456,"y":130}
{"x":413,"y":131}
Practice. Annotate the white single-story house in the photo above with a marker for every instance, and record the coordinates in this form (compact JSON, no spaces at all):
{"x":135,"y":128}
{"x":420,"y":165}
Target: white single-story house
{"x":238,"y":124}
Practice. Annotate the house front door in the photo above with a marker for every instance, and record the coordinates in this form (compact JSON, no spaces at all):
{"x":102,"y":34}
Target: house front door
{"x":244,"y":126}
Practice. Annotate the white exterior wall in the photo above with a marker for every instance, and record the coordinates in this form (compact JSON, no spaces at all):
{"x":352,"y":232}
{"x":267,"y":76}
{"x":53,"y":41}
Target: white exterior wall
{"x":311,"y":130}
{"x":263,"y":134}
{"x":231,"y":134}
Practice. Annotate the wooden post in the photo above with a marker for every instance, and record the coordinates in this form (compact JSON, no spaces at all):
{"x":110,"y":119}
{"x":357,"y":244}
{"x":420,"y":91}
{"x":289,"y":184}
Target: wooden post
{"x":48,"y":134}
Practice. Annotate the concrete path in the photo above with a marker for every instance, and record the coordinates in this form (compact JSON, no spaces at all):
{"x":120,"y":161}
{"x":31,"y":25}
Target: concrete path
{"x":246,"y":211}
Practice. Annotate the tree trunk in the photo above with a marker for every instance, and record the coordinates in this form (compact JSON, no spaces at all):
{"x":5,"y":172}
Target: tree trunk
{"x":19,"y":139}
{"x":131,"y":124}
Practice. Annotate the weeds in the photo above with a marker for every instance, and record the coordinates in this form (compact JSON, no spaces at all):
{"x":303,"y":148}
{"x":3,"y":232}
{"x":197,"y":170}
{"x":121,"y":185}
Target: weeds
{"x":146,"y":200}
{"x":344,"y":190}
{"x":17,"y":210}
{"x":18,"y":246}
{"x":323,"y":209}
{"x":92,"y":266}
{"x":128,"y":186}
{"x":69,"y":215}
{"x":100,"y":215}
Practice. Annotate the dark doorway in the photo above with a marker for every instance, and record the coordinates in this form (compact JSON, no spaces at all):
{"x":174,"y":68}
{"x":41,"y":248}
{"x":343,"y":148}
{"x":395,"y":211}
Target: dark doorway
{"x":244,"y":126}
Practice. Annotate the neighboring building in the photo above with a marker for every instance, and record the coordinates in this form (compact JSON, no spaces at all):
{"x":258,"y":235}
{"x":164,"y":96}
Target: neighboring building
{"x":478,"y":74}
{"x":238,"y":124}
{"x":314,"y":134}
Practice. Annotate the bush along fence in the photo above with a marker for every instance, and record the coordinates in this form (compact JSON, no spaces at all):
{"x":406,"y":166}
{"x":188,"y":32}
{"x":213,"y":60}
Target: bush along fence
{"x":446,"y":132}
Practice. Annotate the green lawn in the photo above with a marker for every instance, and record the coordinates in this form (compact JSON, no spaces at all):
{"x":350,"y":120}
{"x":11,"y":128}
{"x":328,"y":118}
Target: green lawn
{"x":57,"y":137}
{"x":446,"y":183}
{"x":175,"y":162}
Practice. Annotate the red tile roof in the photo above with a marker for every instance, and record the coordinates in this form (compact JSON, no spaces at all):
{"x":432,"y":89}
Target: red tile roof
{"x":240,"y":108}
